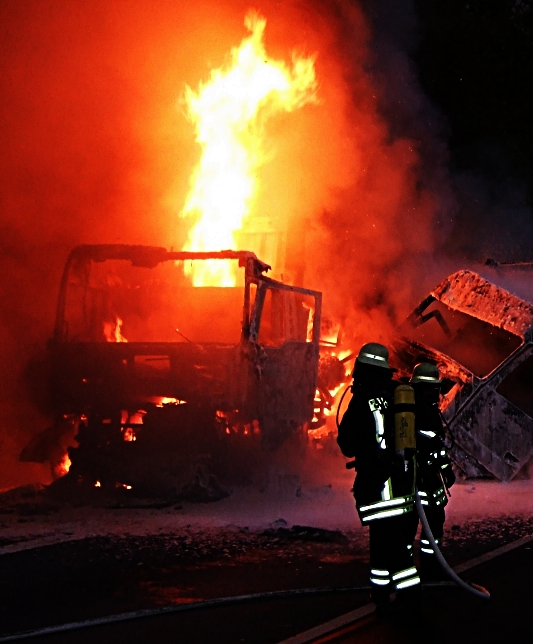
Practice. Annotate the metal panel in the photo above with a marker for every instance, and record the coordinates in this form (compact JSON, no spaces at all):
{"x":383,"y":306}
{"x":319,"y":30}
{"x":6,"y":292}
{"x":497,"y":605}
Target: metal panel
{"x":470,"y":293}
{"x":286,"y":375}
{"x":287,"y":391}
{"x":495,"y":432}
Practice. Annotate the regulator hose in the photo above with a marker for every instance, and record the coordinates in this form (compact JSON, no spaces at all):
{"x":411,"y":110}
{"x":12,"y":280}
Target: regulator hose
{"x":475,"y":589}
{"x":340,"y":404}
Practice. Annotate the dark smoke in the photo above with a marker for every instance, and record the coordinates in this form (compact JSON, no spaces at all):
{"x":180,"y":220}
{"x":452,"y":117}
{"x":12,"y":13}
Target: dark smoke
{"x":394,"y":216}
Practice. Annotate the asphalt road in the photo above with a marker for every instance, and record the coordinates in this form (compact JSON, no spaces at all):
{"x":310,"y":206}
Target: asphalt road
{"x":446,"y":615}
{"x":451,"y":615}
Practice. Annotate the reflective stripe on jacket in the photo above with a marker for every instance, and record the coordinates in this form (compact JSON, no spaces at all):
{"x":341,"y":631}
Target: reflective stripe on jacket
{"x":431,"y":455}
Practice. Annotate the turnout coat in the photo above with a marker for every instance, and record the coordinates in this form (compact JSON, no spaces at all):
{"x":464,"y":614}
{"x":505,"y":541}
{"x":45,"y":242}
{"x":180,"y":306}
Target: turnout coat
{"x":433,"y":463}
{"x":384,"y":483}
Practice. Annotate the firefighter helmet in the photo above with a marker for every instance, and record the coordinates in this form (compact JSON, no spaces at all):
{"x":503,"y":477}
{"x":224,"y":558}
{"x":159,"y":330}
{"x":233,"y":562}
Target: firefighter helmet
{"x":425,"y":373}
{"x":375,"y":354}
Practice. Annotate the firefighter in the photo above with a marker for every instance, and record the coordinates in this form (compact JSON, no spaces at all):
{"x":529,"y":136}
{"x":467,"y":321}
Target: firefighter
{"x":434,"y":474}
{"x":384,"y":483}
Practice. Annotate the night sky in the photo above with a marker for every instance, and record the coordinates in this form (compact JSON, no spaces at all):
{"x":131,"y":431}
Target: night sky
{"x":473,"y":61}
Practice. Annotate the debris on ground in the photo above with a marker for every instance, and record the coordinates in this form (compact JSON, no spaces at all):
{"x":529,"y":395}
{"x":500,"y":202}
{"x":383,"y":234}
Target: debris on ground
{"x":306,"y":533}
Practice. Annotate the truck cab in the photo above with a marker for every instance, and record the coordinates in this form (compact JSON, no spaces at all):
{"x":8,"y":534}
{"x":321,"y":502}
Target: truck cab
{"x":158,"y":373}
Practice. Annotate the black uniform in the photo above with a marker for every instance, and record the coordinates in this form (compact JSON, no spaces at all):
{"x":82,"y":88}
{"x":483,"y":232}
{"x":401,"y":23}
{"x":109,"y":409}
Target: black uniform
{"x":384,"y":485}
{"x":434,"y":472}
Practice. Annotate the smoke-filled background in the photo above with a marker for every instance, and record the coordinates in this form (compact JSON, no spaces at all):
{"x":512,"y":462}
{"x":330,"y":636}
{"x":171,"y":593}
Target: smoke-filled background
{"x":417,"y":159}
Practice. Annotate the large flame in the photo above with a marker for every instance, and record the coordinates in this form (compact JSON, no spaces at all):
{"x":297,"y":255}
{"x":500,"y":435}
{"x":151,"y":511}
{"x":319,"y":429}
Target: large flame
{"x":229,"y":112}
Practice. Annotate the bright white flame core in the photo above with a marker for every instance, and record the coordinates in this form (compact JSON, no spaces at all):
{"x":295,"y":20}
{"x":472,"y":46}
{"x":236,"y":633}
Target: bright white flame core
{"x":229,"y":113}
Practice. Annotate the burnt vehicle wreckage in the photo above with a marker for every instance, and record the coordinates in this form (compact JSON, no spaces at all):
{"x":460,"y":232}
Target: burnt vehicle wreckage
{"x":481,"y":337}
{"x":204,"y":382}
{"x":207,"y":382}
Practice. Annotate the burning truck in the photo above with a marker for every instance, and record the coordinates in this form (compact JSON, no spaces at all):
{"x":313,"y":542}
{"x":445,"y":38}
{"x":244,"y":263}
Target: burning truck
{"x":159,"y":379}
{"x":481,"y":337}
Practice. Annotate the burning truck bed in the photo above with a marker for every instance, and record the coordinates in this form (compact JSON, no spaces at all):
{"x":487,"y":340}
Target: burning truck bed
{"x":161,"y":381}
{"x":481,"y":337}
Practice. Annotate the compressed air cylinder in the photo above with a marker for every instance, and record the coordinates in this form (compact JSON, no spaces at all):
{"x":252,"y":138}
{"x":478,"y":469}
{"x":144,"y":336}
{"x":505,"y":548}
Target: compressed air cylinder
{"x":404,"y":417}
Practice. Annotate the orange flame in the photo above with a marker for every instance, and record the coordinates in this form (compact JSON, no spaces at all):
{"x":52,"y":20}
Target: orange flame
{"x":112,"y":331}
{"x":63,"y":467}
{"x":229,"y":113}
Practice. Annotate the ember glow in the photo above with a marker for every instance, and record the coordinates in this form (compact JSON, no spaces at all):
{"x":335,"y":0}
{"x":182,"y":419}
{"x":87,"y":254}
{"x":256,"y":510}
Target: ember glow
{"x":229,"y":112}
{"x":161,"y":401}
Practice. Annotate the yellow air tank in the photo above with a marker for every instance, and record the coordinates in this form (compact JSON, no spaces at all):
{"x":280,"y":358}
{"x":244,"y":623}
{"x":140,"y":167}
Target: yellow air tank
{"x":404,"y":417}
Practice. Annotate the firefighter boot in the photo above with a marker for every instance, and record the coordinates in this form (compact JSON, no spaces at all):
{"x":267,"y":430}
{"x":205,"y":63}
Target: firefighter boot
{"x":405,"y":610}
{"x":430,"y":569}
{"x":380,"y":595}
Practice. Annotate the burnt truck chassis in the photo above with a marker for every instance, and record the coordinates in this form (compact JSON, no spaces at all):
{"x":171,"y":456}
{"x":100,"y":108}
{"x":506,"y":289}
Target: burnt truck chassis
{"x":152,"y":415}
{"x":486,"y":359}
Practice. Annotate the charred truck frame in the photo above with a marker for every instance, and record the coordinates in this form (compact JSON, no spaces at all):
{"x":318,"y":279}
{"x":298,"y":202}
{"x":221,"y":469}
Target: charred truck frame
{"x":481,"y":338}
{"x":162,"y":377}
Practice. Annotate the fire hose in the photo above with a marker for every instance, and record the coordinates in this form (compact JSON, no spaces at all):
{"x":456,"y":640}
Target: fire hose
{"x":475,"y":589}
{"x":178,"y":608}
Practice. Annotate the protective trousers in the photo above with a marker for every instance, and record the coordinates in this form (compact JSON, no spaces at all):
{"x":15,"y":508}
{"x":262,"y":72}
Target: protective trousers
{"x":391,"y":556}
